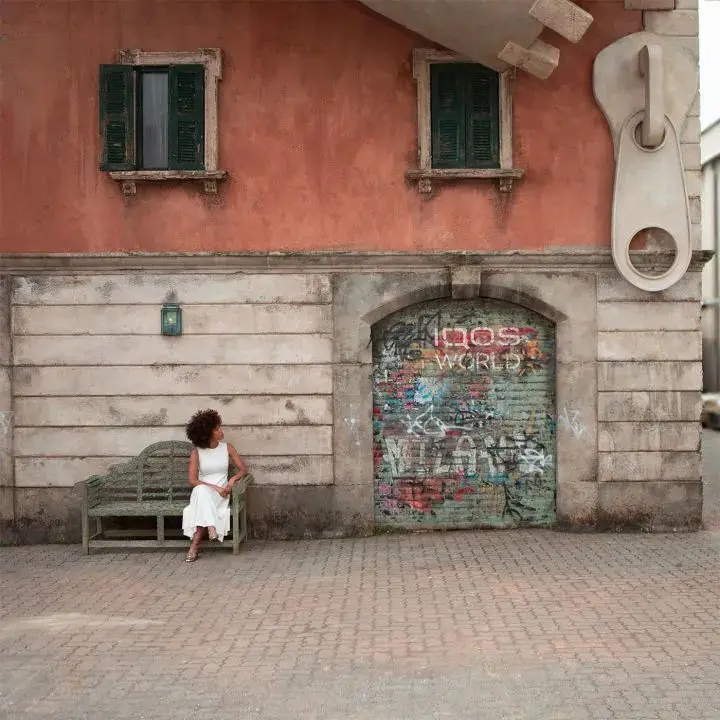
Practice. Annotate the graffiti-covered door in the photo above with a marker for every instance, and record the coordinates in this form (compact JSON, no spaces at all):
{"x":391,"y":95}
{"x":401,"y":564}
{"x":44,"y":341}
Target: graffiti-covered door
{"x":464,"y":416}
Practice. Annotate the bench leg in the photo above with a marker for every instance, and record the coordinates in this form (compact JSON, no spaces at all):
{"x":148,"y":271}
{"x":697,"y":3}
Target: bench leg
{"x":243,"y":525}
{"x":235,"y":529}
{"x":161,"y":529}
{"x":98,"y":527}
{"x":85,"y":532}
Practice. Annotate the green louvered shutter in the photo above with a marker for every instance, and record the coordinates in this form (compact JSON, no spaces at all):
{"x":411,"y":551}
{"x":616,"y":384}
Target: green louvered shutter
{"x":482,"y":125}
{"x":186,"y":148}
{"x":447,"y":116}
{"x":117,"y":117}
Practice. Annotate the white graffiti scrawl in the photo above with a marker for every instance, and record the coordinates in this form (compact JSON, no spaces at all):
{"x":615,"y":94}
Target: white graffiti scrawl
{"x":427,"y":424}
{"x":5,"y":422}
{"x":534,"y":461}
{"x":570,"y":420}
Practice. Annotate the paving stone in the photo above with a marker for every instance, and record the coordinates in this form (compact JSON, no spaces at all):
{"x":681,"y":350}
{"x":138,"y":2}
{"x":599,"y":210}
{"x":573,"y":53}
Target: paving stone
{"x":520,"y":624}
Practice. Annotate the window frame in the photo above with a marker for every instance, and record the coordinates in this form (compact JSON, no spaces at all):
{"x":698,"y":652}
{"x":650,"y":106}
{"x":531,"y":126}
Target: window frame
{"x":211,"y":61}
{"x":424,"y":174}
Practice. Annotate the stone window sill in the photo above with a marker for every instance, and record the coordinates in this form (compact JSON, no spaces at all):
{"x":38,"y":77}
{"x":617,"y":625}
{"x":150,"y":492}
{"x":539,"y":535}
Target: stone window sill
{"x":128,"y":178}
{"x":504,"y":176}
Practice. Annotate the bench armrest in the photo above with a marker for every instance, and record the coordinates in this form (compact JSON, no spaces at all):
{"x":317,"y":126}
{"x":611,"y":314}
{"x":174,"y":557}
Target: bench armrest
{"x":241,"y":485}
{"x":90,"y":489}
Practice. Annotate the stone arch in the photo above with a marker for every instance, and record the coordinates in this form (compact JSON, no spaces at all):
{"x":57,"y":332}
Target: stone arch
{"x":436,"y":288}
{"x":516,"y":297}
{"x":363,"y":299}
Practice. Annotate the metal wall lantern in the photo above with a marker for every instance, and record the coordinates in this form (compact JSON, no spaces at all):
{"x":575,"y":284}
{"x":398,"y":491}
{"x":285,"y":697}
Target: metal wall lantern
{"x":171,"y":319}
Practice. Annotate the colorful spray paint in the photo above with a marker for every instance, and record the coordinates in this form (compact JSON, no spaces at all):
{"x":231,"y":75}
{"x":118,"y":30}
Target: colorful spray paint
{"x":464,"y":416}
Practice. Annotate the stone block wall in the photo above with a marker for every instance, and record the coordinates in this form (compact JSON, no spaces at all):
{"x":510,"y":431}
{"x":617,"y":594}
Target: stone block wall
{"x":283,"y":352}
{"x":649,"y":382}
{"x":95,"y":381}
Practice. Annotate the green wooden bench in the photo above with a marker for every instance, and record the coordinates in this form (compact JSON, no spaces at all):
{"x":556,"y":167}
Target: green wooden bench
{"x":153,"y":484}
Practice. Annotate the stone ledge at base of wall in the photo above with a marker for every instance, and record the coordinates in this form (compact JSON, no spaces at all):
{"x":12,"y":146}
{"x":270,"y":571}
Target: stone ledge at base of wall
{"x":43,"y":515}
{"x":293,"y":513}
{"x":52,"y":515}
{"x":652,"y":506}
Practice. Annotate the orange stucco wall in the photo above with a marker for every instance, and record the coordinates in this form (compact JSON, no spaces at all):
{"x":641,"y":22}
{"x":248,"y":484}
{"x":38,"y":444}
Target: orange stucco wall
{"x":317,"y":128}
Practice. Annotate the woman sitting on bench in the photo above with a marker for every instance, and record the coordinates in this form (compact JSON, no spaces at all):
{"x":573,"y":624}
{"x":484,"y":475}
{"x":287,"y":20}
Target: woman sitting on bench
{"x":208,"y":475}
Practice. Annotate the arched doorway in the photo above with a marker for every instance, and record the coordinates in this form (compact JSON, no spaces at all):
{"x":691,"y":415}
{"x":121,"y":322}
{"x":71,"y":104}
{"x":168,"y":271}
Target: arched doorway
{"x":464,"y":416}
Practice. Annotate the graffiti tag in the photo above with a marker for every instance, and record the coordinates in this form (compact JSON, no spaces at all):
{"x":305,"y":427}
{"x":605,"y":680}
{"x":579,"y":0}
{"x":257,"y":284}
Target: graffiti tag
{"x":571,"y":420}
{"x":6,"y":422}
{"x":534,"y":460}
{"x":427,"y":424}
{"x":477,"y":337}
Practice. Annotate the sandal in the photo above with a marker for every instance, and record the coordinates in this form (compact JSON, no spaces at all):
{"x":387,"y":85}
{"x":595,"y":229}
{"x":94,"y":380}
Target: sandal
{"x":192,"y":555}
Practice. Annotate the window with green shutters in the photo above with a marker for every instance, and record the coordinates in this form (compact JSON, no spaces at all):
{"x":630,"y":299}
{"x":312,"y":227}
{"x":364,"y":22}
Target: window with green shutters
{"x":152,"y":117}
{"x":464,"y":122}
{"x":117,"y":121}
{"x":464,"y":116}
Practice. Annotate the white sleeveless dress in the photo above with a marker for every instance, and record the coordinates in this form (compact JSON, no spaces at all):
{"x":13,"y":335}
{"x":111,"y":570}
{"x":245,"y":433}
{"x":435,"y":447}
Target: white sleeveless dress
{"x":207,"y":507}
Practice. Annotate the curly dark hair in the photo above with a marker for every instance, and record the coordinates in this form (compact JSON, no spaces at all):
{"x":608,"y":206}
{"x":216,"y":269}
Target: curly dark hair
{"x":201,"y":427}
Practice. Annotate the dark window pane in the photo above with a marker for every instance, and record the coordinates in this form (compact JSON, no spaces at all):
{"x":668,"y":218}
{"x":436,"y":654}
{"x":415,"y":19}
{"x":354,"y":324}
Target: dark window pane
{"x":154,"y":121}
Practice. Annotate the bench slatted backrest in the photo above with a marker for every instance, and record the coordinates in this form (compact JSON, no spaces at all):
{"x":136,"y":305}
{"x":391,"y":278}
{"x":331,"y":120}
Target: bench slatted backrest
{"x":163,"y":472}
{"x":158,"y":474}
{"x":120,"y":484}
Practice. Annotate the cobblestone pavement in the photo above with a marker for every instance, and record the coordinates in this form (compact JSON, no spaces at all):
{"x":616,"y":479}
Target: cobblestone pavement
{"x":515,"y":624}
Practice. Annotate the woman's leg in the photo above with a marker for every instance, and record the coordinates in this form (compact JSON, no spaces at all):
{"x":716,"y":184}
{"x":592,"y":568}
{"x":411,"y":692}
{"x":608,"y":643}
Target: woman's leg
{"x":212,"y":532}
{"x":195,"y":544}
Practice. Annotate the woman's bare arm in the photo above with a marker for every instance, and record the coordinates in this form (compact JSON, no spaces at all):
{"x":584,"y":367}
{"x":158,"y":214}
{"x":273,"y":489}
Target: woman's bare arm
{"x":193,"y":469}
{"x":238,"y":462}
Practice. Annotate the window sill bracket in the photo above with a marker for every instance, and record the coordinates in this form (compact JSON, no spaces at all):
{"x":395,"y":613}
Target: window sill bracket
{"x":129,"y":178}
{"x":503,"y":176}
